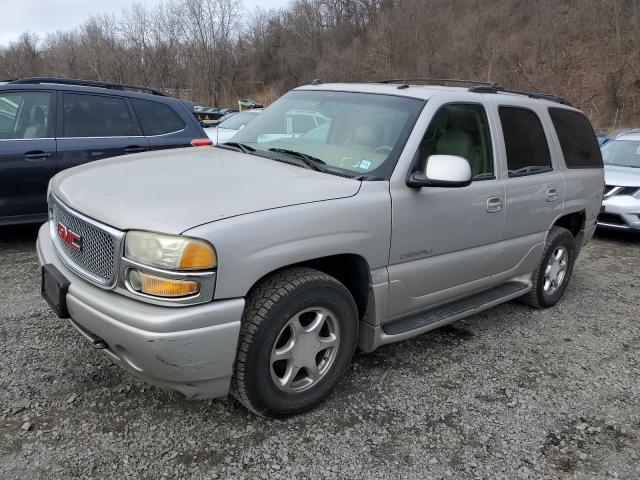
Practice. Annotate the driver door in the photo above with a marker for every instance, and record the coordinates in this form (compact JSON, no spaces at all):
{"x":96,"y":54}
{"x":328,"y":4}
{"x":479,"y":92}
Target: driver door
{"x":445,"y":240}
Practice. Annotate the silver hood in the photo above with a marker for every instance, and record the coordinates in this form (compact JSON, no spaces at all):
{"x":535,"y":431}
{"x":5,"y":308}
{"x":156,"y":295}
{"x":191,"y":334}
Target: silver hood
{"x":621,"y":176}
{"x":174,"y":190}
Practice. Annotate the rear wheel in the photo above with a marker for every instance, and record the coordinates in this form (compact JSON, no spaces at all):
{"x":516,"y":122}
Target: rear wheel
{"x":552,"y":276}
{"x":298,"y":335}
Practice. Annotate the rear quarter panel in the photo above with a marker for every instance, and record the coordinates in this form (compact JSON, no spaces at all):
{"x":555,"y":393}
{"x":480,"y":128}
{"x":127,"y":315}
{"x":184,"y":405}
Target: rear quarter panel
{"x":583,"y":189}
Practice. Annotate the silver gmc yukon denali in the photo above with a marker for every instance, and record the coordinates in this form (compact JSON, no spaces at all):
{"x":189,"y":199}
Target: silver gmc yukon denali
{"x":258,"y":266}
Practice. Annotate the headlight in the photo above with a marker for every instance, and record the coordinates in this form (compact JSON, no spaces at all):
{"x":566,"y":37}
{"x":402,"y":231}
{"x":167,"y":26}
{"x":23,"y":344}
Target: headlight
{"x":171,"y":252}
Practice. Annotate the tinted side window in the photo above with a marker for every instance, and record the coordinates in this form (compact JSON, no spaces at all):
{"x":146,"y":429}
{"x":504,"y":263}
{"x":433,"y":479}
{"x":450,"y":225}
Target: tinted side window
{"x":461,"y":130}
{"x":157,"y":118}
{"x":578,"y":141}
{"x":527,"y":149}
{"x":95,"y":116}
{"x":24,"y":114}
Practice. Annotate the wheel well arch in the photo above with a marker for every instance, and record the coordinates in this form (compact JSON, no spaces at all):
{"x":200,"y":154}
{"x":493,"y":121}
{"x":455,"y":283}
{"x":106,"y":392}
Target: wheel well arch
{"x":350,"y":269}
{"x":574,"y":222}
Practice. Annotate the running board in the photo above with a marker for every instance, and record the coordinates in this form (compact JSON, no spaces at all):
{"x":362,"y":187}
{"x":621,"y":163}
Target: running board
{"x":436,"y":317}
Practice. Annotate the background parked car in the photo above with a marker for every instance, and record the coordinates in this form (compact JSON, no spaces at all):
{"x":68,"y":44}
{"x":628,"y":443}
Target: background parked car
{"x":621,"y":202}
{"x":208,"y":114}
{"x":230,"y":126}
{"x":248,"y":103}
{"x":51,"y":124}
{"x":215,"y":123}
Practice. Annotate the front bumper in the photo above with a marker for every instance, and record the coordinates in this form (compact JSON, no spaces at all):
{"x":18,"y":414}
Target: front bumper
{"x":188,"y":349}
{"x":620,"y":212}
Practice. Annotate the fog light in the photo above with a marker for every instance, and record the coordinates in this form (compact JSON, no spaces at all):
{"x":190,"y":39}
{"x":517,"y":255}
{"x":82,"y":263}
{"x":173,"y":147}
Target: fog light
{"x":160,"y":286}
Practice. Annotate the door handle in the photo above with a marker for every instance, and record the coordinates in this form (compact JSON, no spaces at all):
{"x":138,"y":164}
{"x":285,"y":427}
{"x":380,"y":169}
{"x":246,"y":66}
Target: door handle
{"x":494,"y":204}
{"x":134,"y":149}
{"x":552,"y":194}
{"x":32,"y":156}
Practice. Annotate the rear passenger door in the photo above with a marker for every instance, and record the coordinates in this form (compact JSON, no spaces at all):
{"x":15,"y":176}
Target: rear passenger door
{"x":162,"y":125}
{"x":92,"y":127}
{"x":533,"y":186}
{"x":27,"y":152}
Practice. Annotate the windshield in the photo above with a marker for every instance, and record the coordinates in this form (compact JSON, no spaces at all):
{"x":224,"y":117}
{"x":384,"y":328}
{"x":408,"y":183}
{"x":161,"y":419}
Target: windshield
{"x":622,"y":153}
{"x":239,"y":120}
{"x":358,"y":132}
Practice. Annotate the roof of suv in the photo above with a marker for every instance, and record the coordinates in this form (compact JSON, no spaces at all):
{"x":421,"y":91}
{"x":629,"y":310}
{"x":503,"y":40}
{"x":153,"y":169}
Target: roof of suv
{"x":65,"y":84}
{"x":425,"y":92}
{"x":633,"y":135}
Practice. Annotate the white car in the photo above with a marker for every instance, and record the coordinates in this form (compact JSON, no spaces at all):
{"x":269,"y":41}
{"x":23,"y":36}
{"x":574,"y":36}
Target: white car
{"x":232,"y":125}
{"x":621,"y":203}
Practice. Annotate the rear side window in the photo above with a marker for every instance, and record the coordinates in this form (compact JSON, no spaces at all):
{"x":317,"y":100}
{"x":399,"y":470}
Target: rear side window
{"x":95,"y":116}
{"x":24,"y":115}
{"x":577,"y":139}
{"x":157,"y":118}
{"x":527,"y":148}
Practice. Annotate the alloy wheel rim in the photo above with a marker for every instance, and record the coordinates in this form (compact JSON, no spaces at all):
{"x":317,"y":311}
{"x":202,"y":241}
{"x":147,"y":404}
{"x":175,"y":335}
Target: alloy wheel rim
{"x":305,"y":350}
{"x":555,"y":271}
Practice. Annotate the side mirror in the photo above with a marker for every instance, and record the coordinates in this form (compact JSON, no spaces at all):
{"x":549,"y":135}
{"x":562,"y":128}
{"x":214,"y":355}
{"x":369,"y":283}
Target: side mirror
{"x":443,"y":171}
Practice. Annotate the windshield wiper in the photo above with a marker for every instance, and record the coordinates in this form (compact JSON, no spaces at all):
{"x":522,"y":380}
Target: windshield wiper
{"x":309,"y":160}
{"x":236,"y":146}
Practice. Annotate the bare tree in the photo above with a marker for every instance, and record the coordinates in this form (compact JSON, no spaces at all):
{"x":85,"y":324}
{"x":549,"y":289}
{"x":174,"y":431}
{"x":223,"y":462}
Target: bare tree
{"x":212,"y":52}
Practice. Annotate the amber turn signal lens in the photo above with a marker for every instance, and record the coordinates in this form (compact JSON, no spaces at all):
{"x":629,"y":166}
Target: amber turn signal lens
{"x":198,"y":256}
{"x":160,"y":286}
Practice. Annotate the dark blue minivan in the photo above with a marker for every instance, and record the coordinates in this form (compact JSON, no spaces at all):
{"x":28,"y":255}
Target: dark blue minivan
{"x":50,"y":124}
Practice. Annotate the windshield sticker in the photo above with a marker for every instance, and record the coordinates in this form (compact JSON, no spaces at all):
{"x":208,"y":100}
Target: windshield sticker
{"x":365,"y":164}
{"x":638,"y":151}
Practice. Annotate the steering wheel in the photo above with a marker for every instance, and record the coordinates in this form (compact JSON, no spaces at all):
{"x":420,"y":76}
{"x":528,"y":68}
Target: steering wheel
{"x":383,"y":149}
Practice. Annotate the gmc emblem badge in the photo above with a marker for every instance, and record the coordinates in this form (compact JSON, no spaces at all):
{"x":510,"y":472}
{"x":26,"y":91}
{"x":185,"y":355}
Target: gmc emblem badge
{"x":70,"y":237}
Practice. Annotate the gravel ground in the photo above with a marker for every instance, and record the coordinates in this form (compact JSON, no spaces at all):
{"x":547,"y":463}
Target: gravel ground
{"x":509,"y":393}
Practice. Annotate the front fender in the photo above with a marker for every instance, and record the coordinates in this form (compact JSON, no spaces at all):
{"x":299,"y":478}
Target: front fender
{"x":254,"y":245}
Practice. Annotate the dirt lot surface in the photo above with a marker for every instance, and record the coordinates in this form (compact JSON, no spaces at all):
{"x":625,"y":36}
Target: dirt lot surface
{"x":510,"y":393}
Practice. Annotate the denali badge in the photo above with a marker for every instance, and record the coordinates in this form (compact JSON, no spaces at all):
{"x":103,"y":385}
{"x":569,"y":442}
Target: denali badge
{"x":72,"y":238}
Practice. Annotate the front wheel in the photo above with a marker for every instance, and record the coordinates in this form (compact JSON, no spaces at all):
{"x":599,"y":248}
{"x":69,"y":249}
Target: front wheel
{"x":299,"y":332}
{"x":552,"y":276}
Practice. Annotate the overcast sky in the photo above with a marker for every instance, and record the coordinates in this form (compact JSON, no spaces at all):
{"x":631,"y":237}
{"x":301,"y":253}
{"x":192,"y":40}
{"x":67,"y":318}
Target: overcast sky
{"x":45,"y":16}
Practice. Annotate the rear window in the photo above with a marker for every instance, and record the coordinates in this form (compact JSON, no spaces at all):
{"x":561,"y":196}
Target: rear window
{"x":577,"y":139}
{"x":157,"y":118}
{"x":526,"y":144}
{"x":95,"y":116}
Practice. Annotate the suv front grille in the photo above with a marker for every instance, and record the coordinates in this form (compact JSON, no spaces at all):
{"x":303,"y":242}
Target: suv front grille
{"x":100,"y":245}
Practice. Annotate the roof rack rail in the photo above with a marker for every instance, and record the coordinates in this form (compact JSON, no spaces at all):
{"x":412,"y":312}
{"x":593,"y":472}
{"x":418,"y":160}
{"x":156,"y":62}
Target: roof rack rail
{"x":477,"y":87}
{"x":495,"y":88}
{"x":86,"y":83}
{"x":405,"y":81}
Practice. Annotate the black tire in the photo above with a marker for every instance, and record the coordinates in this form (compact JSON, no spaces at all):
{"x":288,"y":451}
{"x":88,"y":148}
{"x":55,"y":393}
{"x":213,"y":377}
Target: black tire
{"x":270,"y":305}
{"x":558,"y":237}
